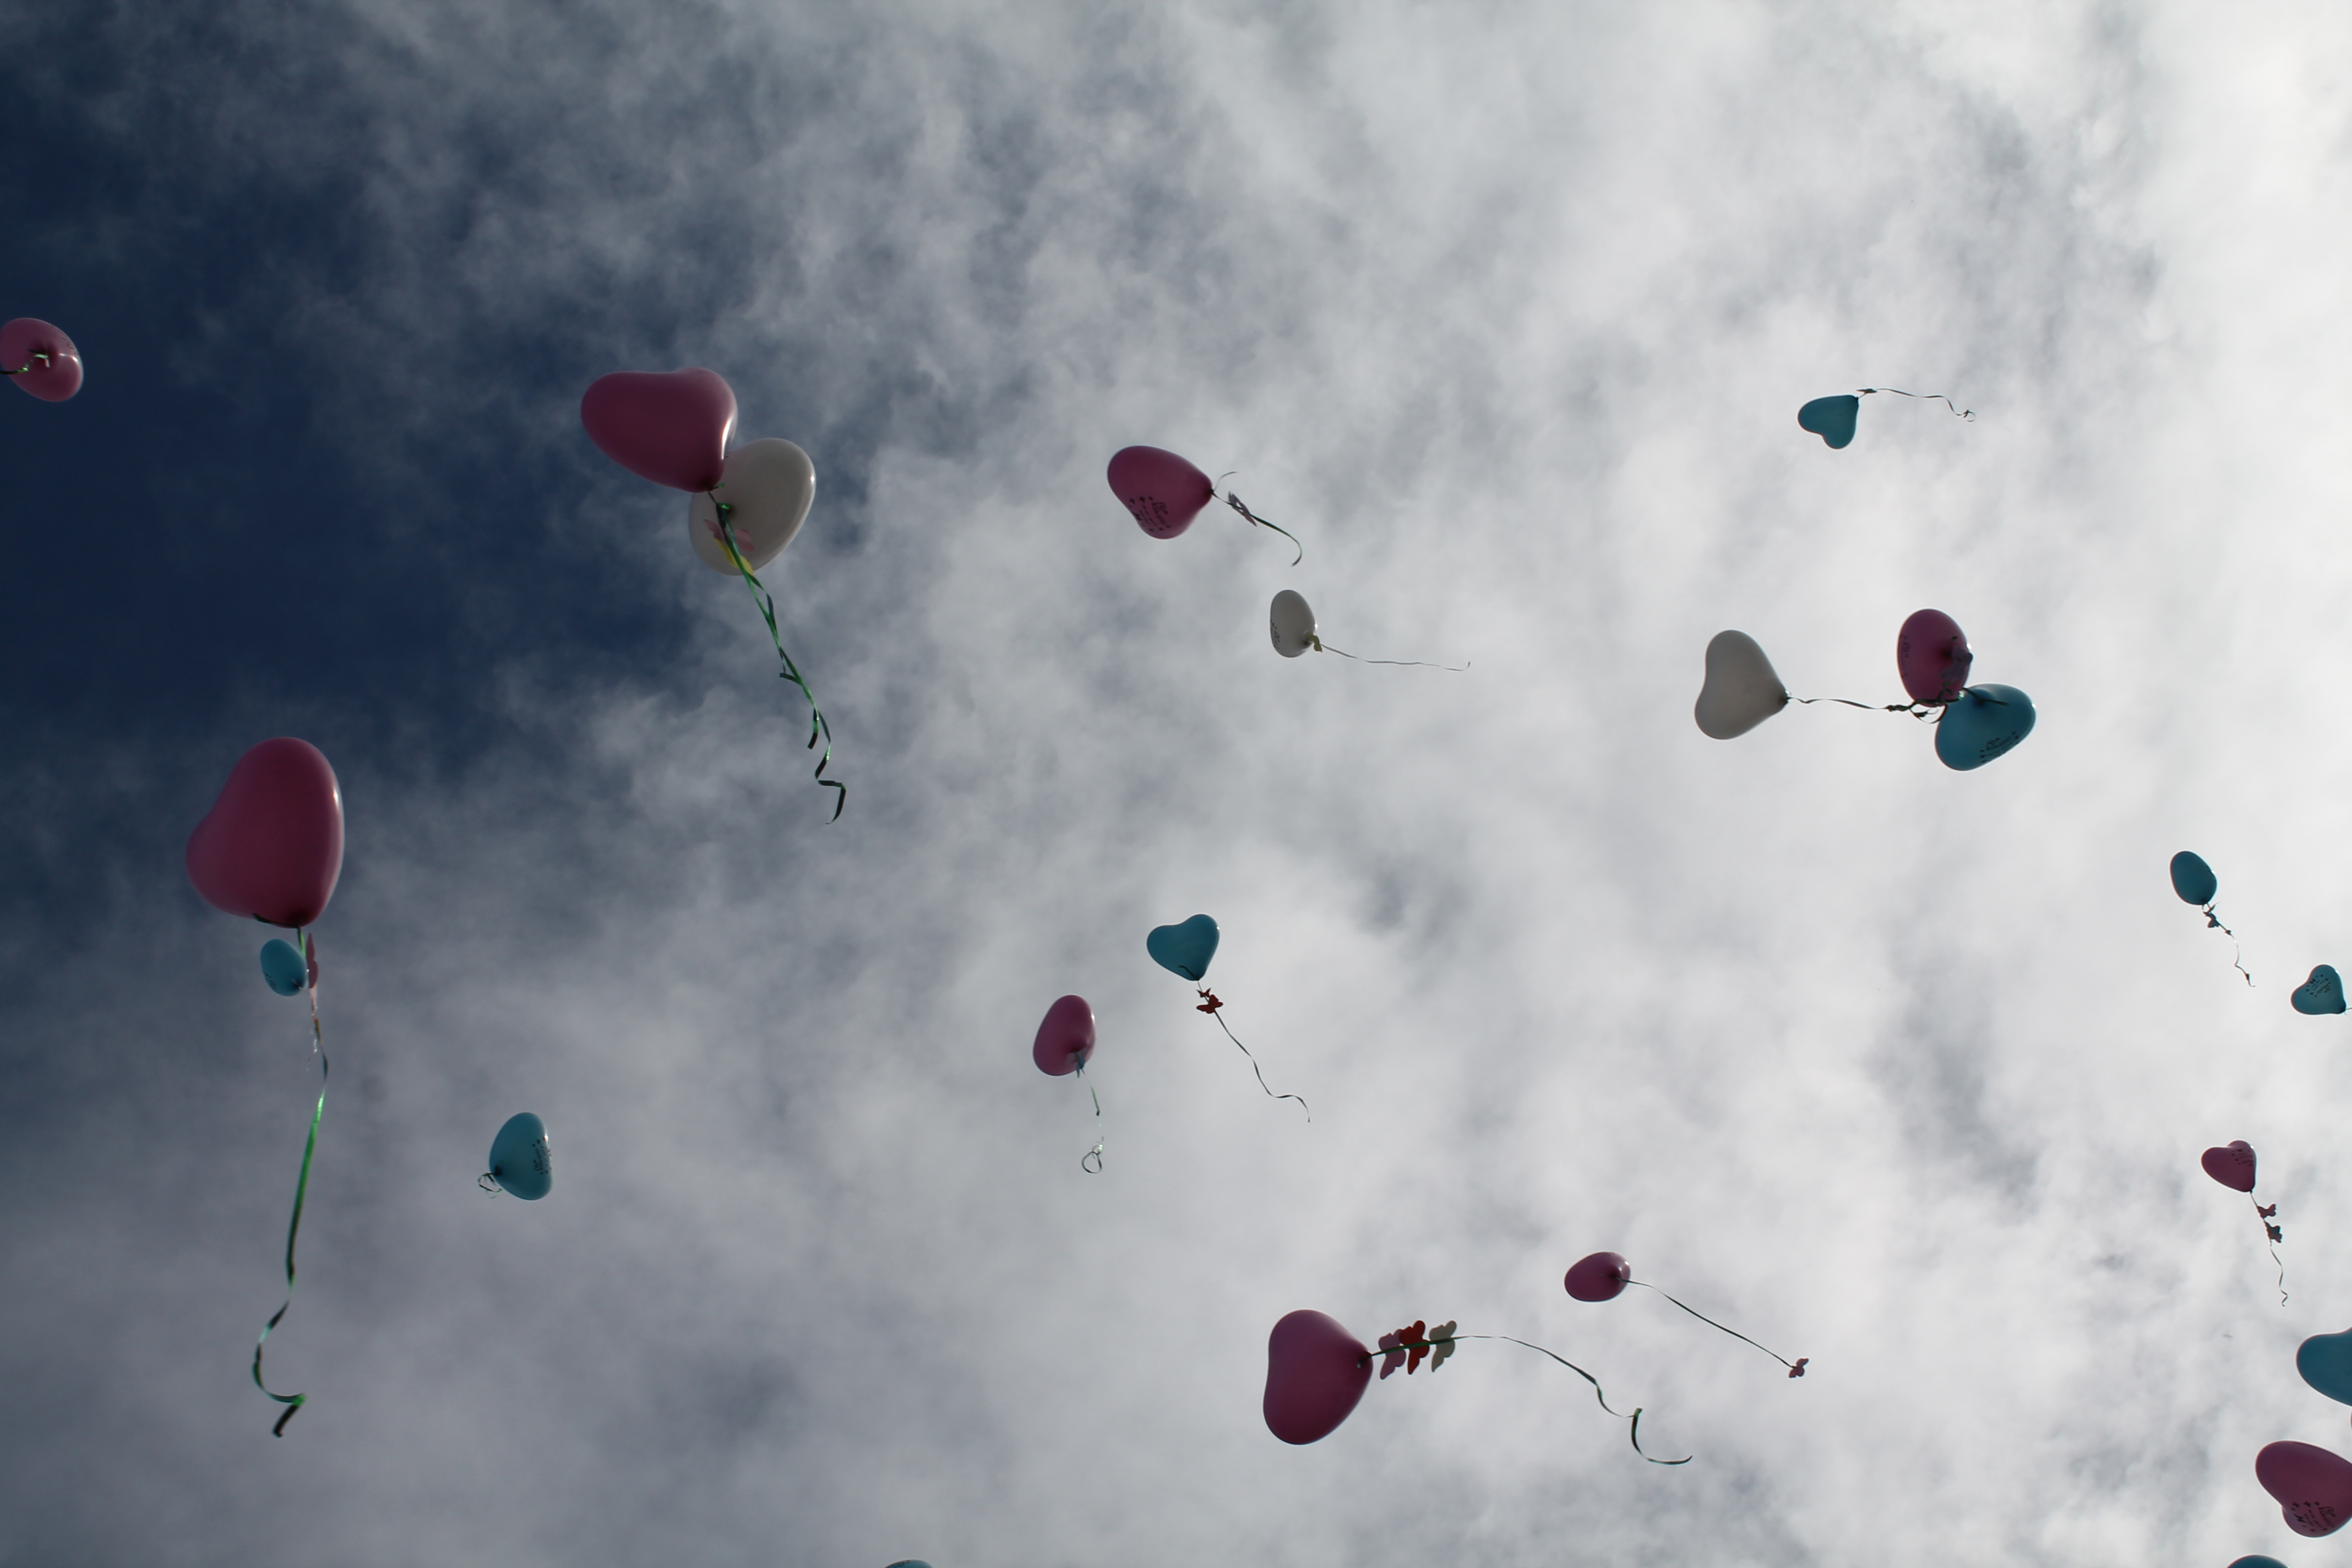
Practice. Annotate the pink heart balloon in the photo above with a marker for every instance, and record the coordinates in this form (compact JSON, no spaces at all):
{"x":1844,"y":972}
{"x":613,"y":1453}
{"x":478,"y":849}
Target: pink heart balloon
{"x":2234,"y":1166}
{"x":1163,"y":490}
{"x":1602,"y":1277}
{"x":1932,"y":654}
{"x":272,"y":845}
{"x":1315,"y":1372}
{"x":2313,"y":1487}
{"x":671,"y":427}
{"x":23,"y":341}
{"x":1067,"y":1038}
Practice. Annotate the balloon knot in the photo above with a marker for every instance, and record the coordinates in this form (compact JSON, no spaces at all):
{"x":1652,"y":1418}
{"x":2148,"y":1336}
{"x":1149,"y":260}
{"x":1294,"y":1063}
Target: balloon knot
{"x":1799,"y":1370}
{"x":489,"y":1184}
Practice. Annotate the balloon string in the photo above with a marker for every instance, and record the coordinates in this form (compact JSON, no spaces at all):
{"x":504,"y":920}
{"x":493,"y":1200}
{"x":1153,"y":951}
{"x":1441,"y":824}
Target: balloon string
{"x":1966,"y":414}
{"x":1796,"y":1368}
{"x":791,"y":671}
{"x":1210,"y":1009}
{"x":1917,"y":710}
{"x":26,"y":367}
{"x":2275,"y":1236}
{"x":2213,"y":922}
{"x":294,"y":1402}
{"x":1634,"y":1431}
{"x":1322,"y":647}
{"x":1091,"y":1161}
{"x":1235,"y":503}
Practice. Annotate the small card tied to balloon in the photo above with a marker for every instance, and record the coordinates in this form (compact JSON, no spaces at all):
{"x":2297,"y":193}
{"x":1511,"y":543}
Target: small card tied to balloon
{"x":2322,"y":993}
{"x":1316,"y":1372}
{"x":1603,"y":1276}
{"x":2313,"y":1487}
{"x":1741,"y":689}
{"x":1186,"y":948}
{"x":1164,"y":492}
{"x":521,"y":1164}
{"x":1986,"y":723}
{"x":1065,"y":1044}
{"x":2233,"y":1166}
{"x":1290,"y":622}
{"x":1931,"y":654}
{"x":40,"y":359}
{"x":669,"y":427}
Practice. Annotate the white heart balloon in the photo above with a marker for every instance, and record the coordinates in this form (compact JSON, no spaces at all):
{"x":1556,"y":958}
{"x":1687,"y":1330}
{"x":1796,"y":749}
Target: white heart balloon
{"x":767,"y":484}
{"x":1741,"y":691}
{"x":1292,"y":623}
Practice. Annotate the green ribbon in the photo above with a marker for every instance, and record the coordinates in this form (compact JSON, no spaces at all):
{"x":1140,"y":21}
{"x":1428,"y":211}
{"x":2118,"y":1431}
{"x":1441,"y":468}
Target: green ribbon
{"x":294,"y":1402}
{"x":791,"y":671}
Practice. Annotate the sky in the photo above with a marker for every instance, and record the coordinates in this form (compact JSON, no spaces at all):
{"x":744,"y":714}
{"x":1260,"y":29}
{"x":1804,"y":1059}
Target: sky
{"x":1506,"y":311}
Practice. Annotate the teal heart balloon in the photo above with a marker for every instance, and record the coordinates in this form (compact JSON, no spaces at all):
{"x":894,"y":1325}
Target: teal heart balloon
{"x":1186,"y":948}
{"x":2325,"y":1363}
{"x":2322,"y":993}
{"x":282,"y":967}
{"x":1987,"y":721}
{"x":1831,"y":418}
{"x":2258,"y":1560}
{"x":519,"y":1160}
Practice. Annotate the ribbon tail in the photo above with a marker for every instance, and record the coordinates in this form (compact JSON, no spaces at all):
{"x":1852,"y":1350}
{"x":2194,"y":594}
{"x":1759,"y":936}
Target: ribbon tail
{"x":294,"y":1402}
{"x":1711,"y":1323}
{"x":1235,"y":503}
{"x":1091,"y":1161}
{"x":791,"y":671}
{"x":1255,"y":1069}
{"x":1634,"y":1429}
{"x":1322,"y":647}
{"x":1968,"y":414}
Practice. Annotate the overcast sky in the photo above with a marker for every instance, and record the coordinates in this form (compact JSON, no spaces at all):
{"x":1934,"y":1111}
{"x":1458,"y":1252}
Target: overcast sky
{"x":1506,"y":311}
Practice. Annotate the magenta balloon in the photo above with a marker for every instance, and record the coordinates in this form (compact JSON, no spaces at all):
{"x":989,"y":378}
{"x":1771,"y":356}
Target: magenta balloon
{"x":1315,"y":1373}
{"x":272,"y":845}
{"x":671,"y":429}
{"x":1600,"y":1278}
{"x":2232,"y":1166}
{"x":1932,"y":654}
{"x":2313,"y":1487}
{"x":26,"y":336}
{"x":1163,"y":490}
{"x":1067,"y":1038}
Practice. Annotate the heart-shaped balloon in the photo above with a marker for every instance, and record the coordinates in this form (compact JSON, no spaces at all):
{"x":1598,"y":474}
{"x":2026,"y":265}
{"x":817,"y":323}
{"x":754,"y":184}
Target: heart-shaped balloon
{"x":1602,"y":1277}
{"x":1291,"y":623}
{"x":1987,"y":721}
{"x":46,"y":362}
{"x":272,"y":845}
{"x":1185,"y":948}
{"x":1831,"y":418}
{"x":2258,"y":1560}
{"x":2233,"y":1166}
{"x":1162,"y":490}
{"x":1741,"y":689}
{"x":671,"y":427}
{"x":282,"y":968}
{"x":520,"y":1159}
{"x":2193,"y":879}
{"x":767,"y":484}
{"x":2325,"y":1363}
{"x":1067,"y":1038}
{"x":2322,"y":993}
{"x":1315,"y":1372}
{"x":1931,"y":653}
{"x":2313,"y":1487}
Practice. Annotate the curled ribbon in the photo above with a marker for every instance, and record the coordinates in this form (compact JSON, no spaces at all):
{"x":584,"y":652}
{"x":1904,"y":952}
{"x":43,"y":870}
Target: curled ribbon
{"x":1212,"y":1006}
{"x":1254,"y":521}
{"x":1417,"y":1341}
{"x":1966,"y":414}
{"x":1091,"y":1161}
{"x":294,"y":1402}
{"x":767,"y":603}
{"x":1796,"y":1368}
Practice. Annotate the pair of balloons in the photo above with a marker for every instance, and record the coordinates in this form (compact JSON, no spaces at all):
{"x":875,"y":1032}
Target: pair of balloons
{"x":40,"y":359}
{"x":672,"y":429}
{"x":520,"y":1163}
{"x":1164,"y":492}
{"x":1975,"y":724}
